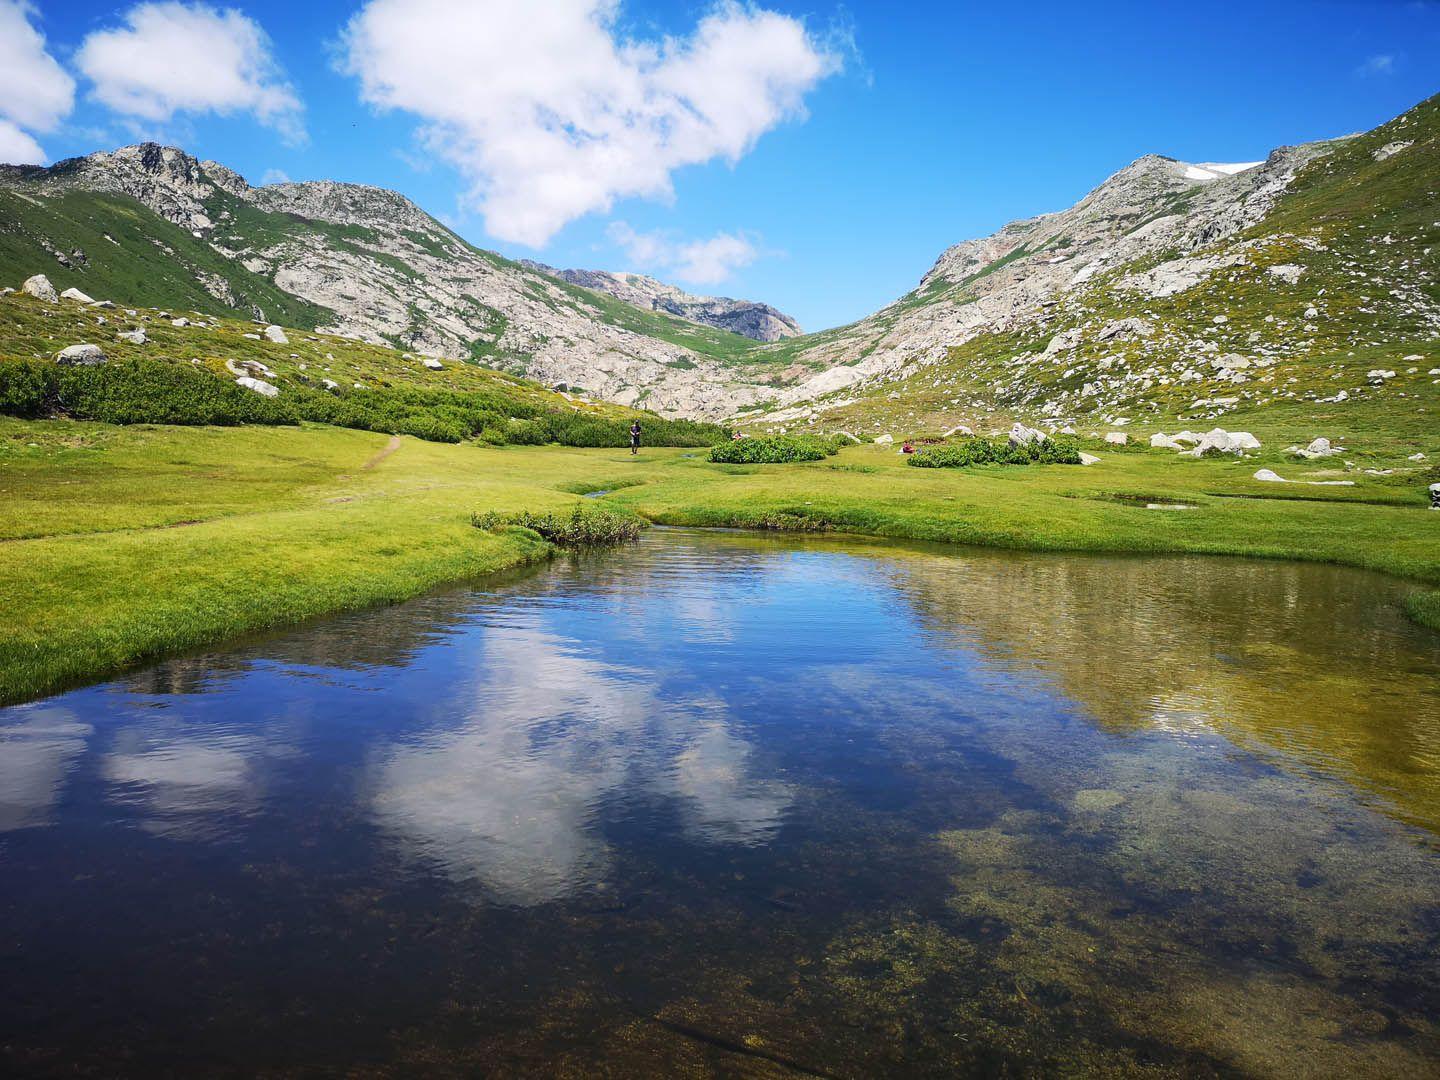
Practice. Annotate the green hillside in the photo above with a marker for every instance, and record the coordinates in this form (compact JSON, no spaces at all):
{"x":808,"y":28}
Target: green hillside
{"x":116,"y":247}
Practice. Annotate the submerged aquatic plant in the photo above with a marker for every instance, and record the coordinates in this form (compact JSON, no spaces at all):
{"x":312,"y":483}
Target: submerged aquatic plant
{"x":584,"y":526}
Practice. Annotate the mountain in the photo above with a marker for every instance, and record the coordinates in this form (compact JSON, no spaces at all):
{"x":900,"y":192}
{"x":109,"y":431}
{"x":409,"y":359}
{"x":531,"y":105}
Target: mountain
{"x":1172,"y":289}
{"x":759,"y":322}
{"x":149,"y":224}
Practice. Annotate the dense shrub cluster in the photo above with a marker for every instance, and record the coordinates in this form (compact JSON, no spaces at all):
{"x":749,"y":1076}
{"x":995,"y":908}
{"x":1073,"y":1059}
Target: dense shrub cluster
{"x":775,"y":449}
{"x":584,"y":526}
{"x":996,"y":452}
{"x":148,"y":391}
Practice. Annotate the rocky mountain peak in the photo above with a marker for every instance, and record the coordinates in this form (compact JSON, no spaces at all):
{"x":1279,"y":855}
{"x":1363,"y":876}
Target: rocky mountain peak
{"x":748,"y":318}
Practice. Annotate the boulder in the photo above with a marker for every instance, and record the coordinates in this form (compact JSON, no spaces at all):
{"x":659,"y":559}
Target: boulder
{"x":960,"y":429}
{"x":1020,"y":435}
{"x":180,"y":323}
{"x":260,"y":386}
{"x":80,"y":356}
{"x":1435,"y":496}
{"x":1161,"y":441}
{"x":1416,"y":457}
{"x":852,"y":440}
{"x":1117,"y":438}
{"x":277,"y":335}
{"x":330,"y":384}
{"x":1221,"y":441}
{"x":1269,"y":476}
{"x":104,"y":305}
{"x":76,"y":294}
{"x":431,"y":363}
{"x":1088,"y":459}
{"x":39,"y":287}
{"x":884,"y":440}
{"x":1318,"y":448}
{"x":134,"y":337}
{"x":244,"y":368}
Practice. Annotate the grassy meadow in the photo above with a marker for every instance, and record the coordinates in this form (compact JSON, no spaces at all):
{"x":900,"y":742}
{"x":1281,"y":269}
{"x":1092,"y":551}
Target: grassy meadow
{"x":122,"y":543}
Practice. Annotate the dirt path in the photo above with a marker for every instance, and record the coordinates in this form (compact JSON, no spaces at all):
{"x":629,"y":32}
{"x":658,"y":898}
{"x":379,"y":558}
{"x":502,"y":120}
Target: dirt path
{"x":390,"y":448}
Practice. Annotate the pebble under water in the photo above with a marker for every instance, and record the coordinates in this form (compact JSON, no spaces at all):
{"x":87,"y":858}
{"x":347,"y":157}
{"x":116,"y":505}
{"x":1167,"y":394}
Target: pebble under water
{"x":737,"y":805}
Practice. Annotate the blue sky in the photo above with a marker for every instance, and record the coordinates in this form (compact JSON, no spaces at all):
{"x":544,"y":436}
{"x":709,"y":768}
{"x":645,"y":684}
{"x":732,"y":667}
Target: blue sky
{"x":843,"y":146}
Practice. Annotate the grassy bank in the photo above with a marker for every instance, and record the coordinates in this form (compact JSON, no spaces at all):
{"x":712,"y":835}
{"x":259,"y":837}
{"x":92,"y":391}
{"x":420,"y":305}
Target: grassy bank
{"x":120,"y":544}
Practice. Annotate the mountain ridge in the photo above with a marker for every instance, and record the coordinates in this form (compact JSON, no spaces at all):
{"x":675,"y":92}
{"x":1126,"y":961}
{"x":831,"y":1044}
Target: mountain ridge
{"x":748,"y":318}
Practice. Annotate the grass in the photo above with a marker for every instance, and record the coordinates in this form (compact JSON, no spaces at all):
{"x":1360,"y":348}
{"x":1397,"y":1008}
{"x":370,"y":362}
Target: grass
{"x":122,"y":544}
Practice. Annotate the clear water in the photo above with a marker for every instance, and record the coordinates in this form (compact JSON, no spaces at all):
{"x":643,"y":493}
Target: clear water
{"x":733,"y":805}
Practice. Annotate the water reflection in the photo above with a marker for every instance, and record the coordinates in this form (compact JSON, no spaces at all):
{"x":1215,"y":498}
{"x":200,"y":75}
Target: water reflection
{"x":38,"y":749}
{"x":507,"y":794}
{"x":741,"y":805}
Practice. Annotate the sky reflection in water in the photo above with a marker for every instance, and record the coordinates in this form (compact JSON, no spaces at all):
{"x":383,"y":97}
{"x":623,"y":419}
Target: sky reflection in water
{"x":728,"y":799}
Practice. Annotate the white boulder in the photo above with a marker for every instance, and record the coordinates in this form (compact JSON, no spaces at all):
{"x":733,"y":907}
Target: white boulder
{"x":1020,"y":435}
{"x":76,"y":294}
{"x":260,"y":386}
{"x":1117,"y":438}
{"x":80,"y":356}
{"x":1161,"y":441}
{"x":1270,"y":476}
{"x":180,"y":323}
{"x":1088,"y":459}
{"x":277,"y":335}
{"x":884,"y":440}
{"x":40,"y":288}
{"x":1435,"y":496}
{"x":245,"y":368}
{"x":134,"y":337}
{"x":959,"y":429}
{"x":431,"y":363}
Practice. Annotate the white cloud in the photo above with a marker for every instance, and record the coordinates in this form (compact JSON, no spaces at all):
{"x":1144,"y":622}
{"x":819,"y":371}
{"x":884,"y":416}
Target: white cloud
{"x":35,"y":92}
{"x":550,"y":114}
{"x":275,"y":176}
{"x":702,"y":262}
{"x":173,"y":58}
{"x":1383,"y":64}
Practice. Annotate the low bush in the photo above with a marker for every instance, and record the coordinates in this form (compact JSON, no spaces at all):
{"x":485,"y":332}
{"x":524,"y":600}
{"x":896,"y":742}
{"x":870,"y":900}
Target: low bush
{"x":775,"y":449}
{"x":996,"y":452}
{"x":584,"y":526}
{"x":159,"y":392}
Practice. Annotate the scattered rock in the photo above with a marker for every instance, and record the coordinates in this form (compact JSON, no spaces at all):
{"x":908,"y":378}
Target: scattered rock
{"x":1020,"y":435}
{"x":1289,"y":273}
{"x":431,"y":363}
{"x":102,"y":304}
{"x":1221,"y":441}
{"x":40,"y":288}
{"x":1270,"y":476}
{"x":248,"y":367}
{"x":1379,"y":375}
{"x":1161,"y":441}
{"x":1416,"y":457}
{"x":260,"y":386}
{"x":1435,"y":496}
{"x":1117,"y":438}
{"x":80,"y":355}
{"x":1319,"y":448}
{"x":960,"y":429}
{"x":330,"y":384}
{"x":76,"y":294}
{"x":1389,"y":150}
{"x":277,"y":335}
{"x":1088,"y":459}
{"x":884,"y":440}
{"x":853,"y":440}
{"x":180,"y":323}
{"x":134,"y":337}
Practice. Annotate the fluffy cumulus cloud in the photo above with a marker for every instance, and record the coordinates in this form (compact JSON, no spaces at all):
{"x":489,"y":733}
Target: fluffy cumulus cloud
{"x":552,"y":114}
{"x":701,"y":262}
{"x":35,"y":92}
{"x":170,"y":58}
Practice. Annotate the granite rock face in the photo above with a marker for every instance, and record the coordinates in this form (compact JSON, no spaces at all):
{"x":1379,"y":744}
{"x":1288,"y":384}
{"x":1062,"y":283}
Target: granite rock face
{"x":748,"y":318}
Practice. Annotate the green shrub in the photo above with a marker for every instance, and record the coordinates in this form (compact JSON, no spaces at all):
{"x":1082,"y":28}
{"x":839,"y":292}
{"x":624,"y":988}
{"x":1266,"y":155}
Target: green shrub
{"x":161,"y":392}
{"x":25,"y":387}
{"x":996,"y":452}
{"x":774,"y":449}
{"x":584,"y":526}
